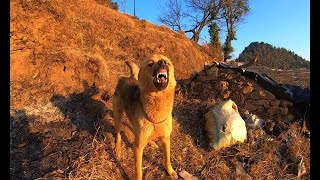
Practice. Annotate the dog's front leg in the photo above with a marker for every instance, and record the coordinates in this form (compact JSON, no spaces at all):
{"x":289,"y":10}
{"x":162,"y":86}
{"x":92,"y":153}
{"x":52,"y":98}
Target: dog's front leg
{"x":138,"y":152}
{"x":166,"y":152}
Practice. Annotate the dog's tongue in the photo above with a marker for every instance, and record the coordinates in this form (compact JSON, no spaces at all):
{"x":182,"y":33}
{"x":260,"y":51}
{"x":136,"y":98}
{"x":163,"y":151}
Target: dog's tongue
{"x":162,"y":79}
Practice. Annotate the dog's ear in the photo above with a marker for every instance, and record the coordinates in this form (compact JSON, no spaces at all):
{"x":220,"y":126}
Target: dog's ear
{"x":147,"y":55}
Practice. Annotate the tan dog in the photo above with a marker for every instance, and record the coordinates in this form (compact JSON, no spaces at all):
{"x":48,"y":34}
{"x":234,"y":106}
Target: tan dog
{"x":147,"y":98}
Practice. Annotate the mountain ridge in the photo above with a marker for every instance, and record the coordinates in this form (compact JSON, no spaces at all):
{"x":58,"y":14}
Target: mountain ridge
{"x":273,"y":57}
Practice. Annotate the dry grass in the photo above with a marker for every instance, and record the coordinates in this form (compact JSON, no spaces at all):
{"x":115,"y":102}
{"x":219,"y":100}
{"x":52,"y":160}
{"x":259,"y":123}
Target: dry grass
{"x":262,"y":156}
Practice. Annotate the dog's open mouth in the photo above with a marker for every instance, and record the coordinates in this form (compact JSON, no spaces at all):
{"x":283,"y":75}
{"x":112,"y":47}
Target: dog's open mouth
{"x":160,"y":78}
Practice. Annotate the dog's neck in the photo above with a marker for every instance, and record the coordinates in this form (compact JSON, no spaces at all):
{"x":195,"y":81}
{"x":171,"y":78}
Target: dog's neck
{"x":157,"y":105}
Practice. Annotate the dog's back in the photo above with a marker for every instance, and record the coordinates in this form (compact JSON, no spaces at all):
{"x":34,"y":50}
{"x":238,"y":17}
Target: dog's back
{"x":127,"y":89}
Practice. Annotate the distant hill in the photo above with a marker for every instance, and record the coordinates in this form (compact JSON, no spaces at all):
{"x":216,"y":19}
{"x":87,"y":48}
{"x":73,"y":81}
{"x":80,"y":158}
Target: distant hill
{"x":273,"y":57}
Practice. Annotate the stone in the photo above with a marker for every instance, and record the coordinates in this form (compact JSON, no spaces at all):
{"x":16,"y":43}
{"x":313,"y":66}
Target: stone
{"x":267,"y":105}
{"x":261,"y":109}
{"x":269,"y":95}
{"x":260,"y":102}
{"x":275,"y":102}
{"x":255,"y":95}
{"x":247,"y":89}
{"x":226,"y":94}
{"x":221,"y":86}
{"x":284,"y":110}
{"x":251,"y":107}
{"x":273,"y":110}
{"x":285,"y":103}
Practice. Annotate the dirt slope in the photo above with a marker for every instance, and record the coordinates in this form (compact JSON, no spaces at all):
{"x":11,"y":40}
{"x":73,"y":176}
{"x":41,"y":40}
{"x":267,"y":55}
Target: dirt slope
{"x":65,"y":59}
{"x":63,"y":43}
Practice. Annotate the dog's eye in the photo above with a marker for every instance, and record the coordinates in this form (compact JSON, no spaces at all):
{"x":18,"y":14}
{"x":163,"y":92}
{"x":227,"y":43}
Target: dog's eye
{"x":150,"y":64}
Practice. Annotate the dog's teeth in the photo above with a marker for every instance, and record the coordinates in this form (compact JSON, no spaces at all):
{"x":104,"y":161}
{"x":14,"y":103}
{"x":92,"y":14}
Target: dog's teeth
{"x":162,"y":74}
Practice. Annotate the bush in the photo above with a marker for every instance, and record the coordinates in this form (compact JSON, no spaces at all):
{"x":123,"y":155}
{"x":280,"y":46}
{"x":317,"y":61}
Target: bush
{"x":214,"y":52}
{"x":109,"y":3}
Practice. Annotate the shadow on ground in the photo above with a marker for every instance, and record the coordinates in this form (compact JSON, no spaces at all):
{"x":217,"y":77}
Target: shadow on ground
{"x":88,"y":114}
{"x":25,"y":148}
{"x":191,"y":119}
{"x":50,"y":149}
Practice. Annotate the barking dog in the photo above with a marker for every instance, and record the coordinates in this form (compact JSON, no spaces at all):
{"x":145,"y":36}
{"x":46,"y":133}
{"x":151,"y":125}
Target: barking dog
{"x":147,"y":99}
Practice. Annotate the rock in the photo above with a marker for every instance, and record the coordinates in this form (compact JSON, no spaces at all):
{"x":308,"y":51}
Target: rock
{"x":255,"y":95}
{"x":247,"y":89}
{"x":275,"y":102}
{"x":213,"y":72}
{"x":261,"y":94}
{"x":221,"y":86}
{"x":285,"y":103}
{"x":255,"y":120}
{"x":261,"y":109}
{"x":267,"y":105}
{"x":273,"y":110}
{"x":284,"y":111}
{"x":229,"y":77}
{"x":251,"y":107}
{"x":187,"y":176}
{"x":228,"y":71}
{"x":269,"y":95}
{"x":238,"y":98}
{"x":196,"y":88}
{"x":226,"y":94}
{"x":260,"y":102}
{"x":235,"y":87}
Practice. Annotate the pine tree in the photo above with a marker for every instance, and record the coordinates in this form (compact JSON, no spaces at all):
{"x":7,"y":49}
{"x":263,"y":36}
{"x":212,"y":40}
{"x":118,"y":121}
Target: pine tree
{"x":214,"y":35}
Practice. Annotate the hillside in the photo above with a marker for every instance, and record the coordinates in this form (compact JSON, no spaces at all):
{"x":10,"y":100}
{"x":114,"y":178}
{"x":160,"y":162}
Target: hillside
{"x":66,"y":42}
{"x":273,"y":57}
{"x":65,"y":60}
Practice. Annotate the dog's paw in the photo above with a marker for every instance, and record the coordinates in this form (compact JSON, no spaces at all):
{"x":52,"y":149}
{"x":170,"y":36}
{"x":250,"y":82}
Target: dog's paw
{"x":174,"y":175}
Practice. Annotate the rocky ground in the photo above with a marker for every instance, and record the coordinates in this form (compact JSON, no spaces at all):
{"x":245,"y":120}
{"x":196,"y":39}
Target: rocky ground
{"x":72,"y":137}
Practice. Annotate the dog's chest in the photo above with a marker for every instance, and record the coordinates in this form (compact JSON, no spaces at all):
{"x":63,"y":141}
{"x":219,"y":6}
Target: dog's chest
{"x":158,"y":108}
{"x":161,"y":130}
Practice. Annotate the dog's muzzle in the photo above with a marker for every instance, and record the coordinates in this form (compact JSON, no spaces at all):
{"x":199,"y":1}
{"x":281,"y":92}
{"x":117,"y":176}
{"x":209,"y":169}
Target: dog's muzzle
{"x":161,"y":75}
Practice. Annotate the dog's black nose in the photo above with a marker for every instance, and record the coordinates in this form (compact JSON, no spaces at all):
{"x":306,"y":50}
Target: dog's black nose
{"x":162,"y":63}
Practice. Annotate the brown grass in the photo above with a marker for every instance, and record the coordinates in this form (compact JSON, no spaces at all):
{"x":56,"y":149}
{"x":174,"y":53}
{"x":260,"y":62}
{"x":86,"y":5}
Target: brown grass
{"x":258,"y":156}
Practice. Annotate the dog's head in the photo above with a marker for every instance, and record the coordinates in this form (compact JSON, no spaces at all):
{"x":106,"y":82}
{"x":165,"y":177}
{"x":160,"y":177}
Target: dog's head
{"x":156,"y":73}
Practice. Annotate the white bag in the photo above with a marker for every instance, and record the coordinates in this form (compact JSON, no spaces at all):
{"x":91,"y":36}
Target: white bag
{"x":224,"y":125}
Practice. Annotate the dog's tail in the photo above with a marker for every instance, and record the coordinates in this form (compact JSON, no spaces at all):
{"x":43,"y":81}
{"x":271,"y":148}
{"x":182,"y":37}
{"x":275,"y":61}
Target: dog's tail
{"x":134,"y":69}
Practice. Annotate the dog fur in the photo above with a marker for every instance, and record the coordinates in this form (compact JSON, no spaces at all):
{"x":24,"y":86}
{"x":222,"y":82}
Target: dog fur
{"x":147,"y":99}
